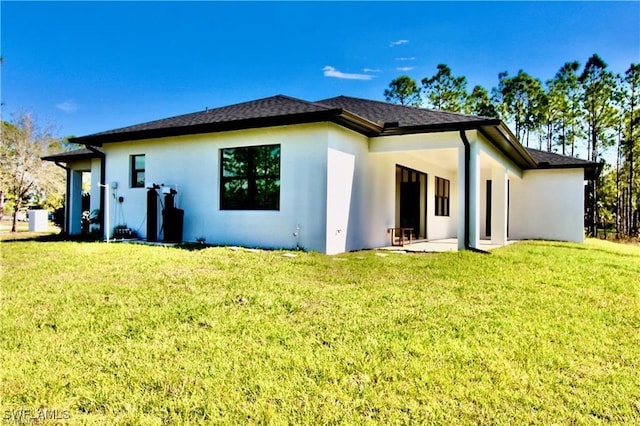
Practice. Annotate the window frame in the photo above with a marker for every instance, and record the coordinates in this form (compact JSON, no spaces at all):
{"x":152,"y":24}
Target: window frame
{"x":135,"y":172}
{"x":252,"y":178}
{"x":442,"y":196}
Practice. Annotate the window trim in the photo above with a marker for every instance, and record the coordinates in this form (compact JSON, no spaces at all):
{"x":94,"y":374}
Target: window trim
{"x":442,"y":196}
{"x":133,"y":183}
{"x":251,"y":174}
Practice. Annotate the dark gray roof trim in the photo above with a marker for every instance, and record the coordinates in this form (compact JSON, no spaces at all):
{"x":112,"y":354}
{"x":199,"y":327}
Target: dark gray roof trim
{"x":75,"y":155}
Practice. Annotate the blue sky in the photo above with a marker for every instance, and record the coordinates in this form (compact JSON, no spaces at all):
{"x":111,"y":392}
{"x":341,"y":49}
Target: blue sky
{"x":85,"y":67}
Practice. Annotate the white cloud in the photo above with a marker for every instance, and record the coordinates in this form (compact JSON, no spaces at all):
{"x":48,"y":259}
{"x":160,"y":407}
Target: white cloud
{"x":330,"y":71}
{"x":398,"y":43}
{"x":412,"y":58}
{"x":405,"y":68}
{"x":67,"y":106}
{"x":372,"y":70}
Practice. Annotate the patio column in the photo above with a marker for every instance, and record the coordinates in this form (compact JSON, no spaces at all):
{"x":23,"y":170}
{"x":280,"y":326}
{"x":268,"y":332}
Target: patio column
{"x":461,"y":198}
{"x":474,"y":195}
{"x":74,"y":203}
{"x":499,"y":210}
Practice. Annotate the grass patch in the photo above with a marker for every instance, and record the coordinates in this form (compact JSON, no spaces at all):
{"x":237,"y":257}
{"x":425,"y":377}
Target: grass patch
{"x":535,"y":333}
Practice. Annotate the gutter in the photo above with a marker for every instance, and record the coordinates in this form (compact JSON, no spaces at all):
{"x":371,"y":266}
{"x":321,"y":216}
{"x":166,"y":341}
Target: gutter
{"x":467,"y":197}
{"x":103,"y":192}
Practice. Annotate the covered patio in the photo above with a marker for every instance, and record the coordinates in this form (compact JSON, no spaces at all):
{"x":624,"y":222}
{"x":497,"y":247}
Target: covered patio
{"x":476,"y":175}
{"x":444,"y":245}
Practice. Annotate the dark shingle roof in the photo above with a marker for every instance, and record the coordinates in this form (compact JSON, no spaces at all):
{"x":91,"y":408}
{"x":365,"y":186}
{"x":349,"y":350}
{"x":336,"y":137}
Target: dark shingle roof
{"x":279,"y":110}
{"x":273,"y":111}
{"x":551,"y":160}
{"x":405,"y":116}
{"x":77,"y":154}
{"x":371,"y":118}
{"x":275,"y":106}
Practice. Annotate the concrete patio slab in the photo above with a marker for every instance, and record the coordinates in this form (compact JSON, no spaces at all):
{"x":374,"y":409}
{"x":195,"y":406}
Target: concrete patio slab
{"x":438,"y":246}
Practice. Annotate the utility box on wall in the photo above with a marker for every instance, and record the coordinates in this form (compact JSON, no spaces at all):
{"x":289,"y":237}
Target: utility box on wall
{"x":38,"y":220}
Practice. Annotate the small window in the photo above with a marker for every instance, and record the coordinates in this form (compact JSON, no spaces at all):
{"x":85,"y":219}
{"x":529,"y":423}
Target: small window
{"x":250,"y":178}
{"x":137,"y":171}
{"x":442,"y":196}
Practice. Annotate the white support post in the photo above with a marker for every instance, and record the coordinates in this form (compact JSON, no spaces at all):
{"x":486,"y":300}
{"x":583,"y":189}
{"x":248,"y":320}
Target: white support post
{"x":499,"y":211}
{"x":74,"y":203}
{"x":474,"y":195}
{"x":107,"y":228}
{"x":461,"y":192}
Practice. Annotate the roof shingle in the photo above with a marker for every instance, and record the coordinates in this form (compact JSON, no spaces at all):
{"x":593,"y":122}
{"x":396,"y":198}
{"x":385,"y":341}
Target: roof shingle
{"x":275,"y":106}
{"x":406,"y":116}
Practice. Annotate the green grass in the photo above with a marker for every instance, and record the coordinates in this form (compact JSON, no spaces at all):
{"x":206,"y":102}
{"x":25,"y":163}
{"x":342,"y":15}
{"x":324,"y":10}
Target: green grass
{"x":124,"y":334}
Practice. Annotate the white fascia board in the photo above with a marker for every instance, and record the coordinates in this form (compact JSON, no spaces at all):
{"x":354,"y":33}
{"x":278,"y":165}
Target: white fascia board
{"x":414,"y":142}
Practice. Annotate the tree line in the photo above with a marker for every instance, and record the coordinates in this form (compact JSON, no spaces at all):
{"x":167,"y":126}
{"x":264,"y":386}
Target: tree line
{"x":581,"y":107}
{"x":25,"y":179}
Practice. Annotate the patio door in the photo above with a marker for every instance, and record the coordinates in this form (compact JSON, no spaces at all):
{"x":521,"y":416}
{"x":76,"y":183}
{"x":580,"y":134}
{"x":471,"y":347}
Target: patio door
{"x":411,"y":199}
{"x":410,"y":205}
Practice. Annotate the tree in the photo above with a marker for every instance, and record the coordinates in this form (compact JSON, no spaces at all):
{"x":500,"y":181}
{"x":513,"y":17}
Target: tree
{"x":24,"y":177}
{"x":598,"y":86}
{"x":518,"y":99}
{"x":403,"y":90}
{"x":564,"y":101}
{"x":445,"y":92}
{"x":631,"y":121}
{"x":479,"y":103}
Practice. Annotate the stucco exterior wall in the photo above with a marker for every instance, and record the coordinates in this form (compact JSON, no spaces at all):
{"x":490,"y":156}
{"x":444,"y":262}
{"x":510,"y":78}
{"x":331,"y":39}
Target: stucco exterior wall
{"x":347,"y":190}
{"x":547,"y":204}
{"x":338,"y":188}
{"x":192,"y":165}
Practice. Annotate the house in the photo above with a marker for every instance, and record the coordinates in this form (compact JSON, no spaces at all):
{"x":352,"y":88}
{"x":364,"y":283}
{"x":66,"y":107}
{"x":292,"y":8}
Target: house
{"x":329,"y":176}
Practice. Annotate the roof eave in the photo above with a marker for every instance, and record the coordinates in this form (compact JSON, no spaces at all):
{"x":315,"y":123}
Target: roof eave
{"x":508,"y":144}
{"x":437,"y":128}
{"x":591,"y":170}
{"x":491,"y":128}
{"x":62,"y":158}
{"x":357,"y":123}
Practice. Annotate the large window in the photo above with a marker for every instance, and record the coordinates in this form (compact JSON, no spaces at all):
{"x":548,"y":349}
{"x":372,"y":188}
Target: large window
{"x":137,"y":171}
{"x":250,"y":178}
{"x":442,"y":196}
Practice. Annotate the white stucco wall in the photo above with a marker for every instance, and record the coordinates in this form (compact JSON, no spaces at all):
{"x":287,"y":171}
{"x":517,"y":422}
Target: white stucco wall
{"x":192,"y":163}
{"x":347,"y":190}
{"x":547,"y":204}
{"x":337,"y":189}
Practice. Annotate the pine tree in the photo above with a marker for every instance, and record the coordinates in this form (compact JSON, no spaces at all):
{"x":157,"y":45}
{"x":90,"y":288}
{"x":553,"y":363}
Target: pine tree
{"x":403,"y":90}
{"x":445,"y":92}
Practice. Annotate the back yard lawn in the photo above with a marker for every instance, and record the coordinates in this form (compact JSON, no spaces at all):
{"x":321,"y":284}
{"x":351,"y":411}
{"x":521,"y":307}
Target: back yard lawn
{"x":536,"y":332}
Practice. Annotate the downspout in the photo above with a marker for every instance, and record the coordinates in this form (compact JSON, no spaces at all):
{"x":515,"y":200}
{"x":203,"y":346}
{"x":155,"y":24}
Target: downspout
{"x":67,"y":201}
{"x":101,"y":184}
{"x":467,"y":196}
